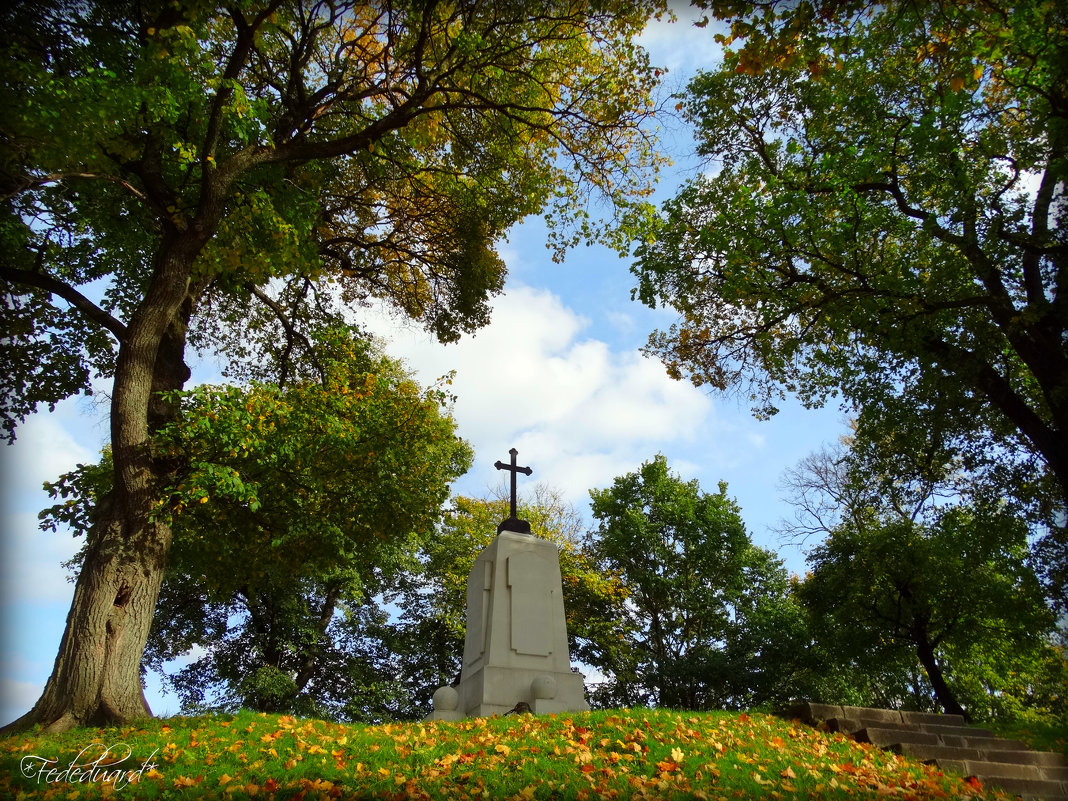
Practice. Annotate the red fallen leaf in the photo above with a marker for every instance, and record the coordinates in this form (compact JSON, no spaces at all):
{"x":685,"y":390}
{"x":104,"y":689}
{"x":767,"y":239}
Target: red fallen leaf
{"x":270,"y":785}
{"x":974,"y":783}
{"x":587,"y":768}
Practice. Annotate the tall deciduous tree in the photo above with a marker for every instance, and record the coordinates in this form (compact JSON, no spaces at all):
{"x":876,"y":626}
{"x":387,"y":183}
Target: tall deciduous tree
{"x":708,"y":620}
{"x":167,"y":160}
{"x":883,"y":216}
{"x":292,"y":508}
{"x":915,"y":563}
{"x":956,"y":593}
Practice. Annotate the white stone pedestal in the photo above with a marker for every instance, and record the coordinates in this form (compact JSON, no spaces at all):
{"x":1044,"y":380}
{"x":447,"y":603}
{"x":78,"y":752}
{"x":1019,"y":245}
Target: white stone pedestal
{"x":516,"y":644}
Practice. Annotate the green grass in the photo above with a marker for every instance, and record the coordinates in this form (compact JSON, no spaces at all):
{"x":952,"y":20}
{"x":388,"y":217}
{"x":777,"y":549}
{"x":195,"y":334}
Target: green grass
{"x":619,"y":754}
{"x":1038,"y":735}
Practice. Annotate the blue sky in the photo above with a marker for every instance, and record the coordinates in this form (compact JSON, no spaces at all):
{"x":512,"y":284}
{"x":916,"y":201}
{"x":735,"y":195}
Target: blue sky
{"x":557,"y":375}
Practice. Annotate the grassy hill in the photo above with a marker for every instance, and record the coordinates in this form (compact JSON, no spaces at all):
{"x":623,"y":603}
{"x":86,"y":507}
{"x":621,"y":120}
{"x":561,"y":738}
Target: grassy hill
{"x":638,"y":753}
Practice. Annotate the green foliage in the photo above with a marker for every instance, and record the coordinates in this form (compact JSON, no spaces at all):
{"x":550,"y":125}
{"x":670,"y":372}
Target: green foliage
{"x":881,"y":219}
{"x":379,"y":153}
{"x":708,"y":621}
{"x":237,"y":177}
{"x":291,"y":508}
{"x":920,"y":573}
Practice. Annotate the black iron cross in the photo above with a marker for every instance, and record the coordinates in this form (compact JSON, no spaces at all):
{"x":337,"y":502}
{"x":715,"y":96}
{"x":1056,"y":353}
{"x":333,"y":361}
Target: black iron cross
{"x":513,"y":523}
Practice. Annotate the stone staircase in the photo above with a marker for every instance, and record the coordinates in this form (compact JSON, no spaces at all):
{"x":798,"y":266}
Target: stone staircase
{"x":944,"y":741}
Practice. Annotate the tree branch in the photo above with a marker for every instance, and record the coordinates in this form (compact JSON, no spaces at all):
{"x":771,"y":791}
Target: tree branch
{"x":68,"y":293}
{"x":1046,"y":439}
{"x":291,"y":330}
{"x":28,"y":182}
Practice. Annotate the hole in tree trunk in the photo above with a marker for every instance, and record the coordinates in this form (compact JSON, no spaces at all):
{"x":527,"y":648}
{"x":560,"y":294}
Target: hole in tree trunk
{"x":123,"y":597}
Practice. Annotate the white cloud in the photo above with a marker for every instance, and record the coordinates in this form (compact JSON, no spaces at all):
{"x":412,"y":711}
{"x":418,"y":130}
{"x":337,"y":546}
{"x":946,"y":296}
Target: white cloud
{"x":32,"y":568}
{"x":579,"y":411}
{"x":45,"y":449}
{"x":680,"y":46}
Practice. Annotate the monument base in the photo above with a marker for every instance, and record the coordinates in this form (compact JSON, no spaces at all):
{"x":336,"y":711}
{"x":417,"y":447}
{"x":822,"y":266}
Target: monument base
{"x":496,"y":690}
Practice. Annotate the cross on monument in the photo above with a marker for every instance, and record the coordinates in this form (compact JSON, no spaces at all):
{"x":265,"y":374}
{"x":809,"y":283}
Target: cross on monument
{"x":513,"y":523}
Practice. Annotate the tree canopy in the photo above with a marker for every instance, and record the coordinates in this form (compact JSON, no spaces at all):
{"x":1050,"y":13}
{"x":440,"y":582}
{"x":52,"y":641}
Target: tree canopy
{"x":881,"y":216}
{"x":385,"y":146}
{"x":918,"y":570}
{"x":708,"y":623}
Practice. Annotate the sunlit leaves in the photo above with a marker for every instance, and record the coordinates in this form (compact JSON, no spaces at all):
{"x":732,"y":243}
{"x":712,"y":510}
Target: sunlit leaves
{"x":307,"y":474}
{"x":291,"y":509}
{"x":956,"y":593}
{"x":390,"y":148}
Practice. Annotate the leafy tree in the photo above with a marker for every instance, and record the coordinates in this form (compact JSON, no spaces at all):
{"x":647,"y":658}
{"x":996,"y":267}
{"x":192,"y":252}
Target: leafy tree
{"x":883,"y":218}
{"x":291,"y":509}
{"x":428,"y":636}
{"x":170,"y":169}
{"x":956,"y":593}
{"x":708,"y":620}
{"x":917,"y":569}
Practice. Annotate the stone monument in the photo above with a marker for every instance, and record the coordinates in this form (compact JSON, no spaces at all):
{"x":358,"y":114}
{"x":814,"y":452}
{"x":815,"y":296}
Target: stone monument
{"x":515,"y":651}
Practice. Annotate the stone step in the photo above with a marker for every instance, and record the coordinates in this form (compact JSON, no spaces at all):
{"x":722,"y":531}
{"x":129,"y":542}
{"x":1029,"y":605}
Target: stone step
{"x":947,"y":742}
{"x":850,"y":726}
{"x":1003,"y":770}
{"x":815,"y":713}
{"x":983,"y":743}
{"x":884,"y":737}
{"x":928,"y":753}
{"x":1033,"y":789}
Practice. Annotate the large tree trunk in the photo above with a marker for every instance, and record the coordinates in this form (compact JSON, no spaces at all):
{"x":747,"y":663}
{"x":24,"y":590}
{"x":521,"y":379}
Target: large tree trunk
{"x":96,"y":677}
